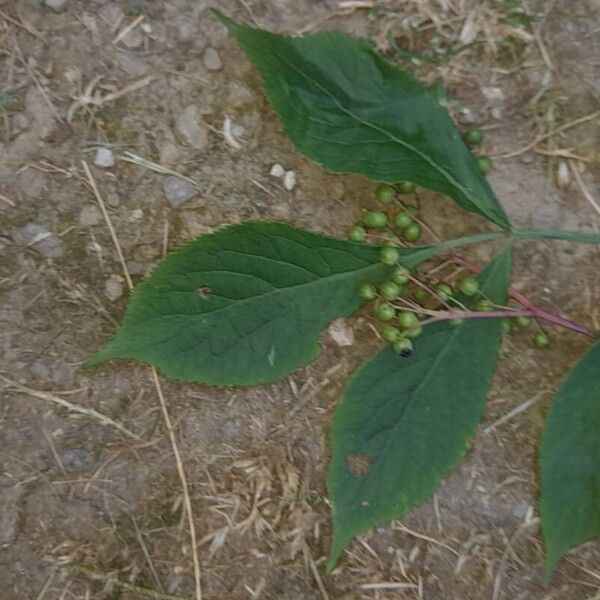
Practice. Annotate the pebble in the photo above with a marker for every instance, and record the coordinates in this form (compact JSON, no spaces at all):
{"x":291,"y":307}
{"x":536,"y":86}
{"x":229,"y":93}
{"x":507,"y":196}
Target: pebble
{"x":134,"y":39}
{"x":289,"y":180}
{"x":56,"y":5}
{"x":104,"y":158}
{"x":277,"y":170}
{"x":186,"y":31}
{"x":89,"y":215}
{"x":112,"y":13}
{"x":113,"y":287}
{"x":341,"y":333}
{"x":178,"y":191}
{"x":20,"y":122}
{"x":211,"y":59}
{"x":41,"y":240}
{"x":190,"y":128}
{"x":527,"y":158}
{"x":563,"y":175}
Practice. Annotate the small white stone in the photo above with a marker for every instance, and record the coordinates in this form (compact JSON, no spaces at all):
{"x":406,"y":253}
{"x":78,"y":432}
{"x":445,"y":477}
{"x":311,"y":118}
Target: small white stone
{"x":56,"y":5}
{"x":341,"y":333}
{"x":277,"y":170}
{"x":177,"y":190}
{"x":211,"y":59}
{"x":289,"y":180}
{"x":113,"y":287}
{"x":563,"y":175}
{"x":89,"y":215}
{"x":104,"y":158}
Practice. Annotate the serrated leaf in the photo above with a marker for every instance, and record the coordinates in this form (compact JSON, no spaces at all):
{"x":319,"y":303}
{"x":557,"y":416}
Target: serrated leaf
{"x":403,"y":423}
{"x":243,"y":305}
{"x":347,"y":108}
{"x":570,"y":462}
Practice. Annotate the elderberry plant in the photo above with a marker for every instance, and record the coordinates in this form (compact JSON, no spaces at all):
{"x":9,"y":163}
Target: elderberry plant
{"x":245,"y":305}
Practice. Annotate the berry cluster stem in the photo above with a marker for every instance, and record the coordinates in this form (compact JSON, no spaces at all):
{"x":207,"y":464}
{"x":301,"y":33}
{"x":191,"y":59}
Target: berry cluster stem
{"x":531,"y":309}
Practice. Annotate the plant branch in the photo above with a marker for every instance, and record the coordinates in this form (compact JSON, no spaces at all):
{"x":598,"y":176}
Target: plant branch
{"x":582,"y":237}
{"x":532,"y":309}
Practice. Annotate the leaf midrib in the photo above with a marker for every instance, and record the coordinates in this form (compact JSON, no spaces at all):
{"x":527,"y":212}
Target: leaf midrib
{"x":410,"y":403}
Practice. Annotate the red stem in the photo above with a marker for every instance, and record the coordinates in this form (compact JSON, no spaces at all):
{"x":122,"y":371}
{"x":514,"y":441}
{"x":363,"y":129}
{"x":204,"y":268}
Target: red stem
{"x":533,"y":310}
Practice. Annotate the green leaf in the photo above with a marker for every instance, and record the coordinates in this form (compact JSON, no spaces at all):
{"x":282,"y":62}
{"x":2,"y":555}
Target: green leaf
{"x":347,"y":108}
{"x":403,"y":423}
{"x":244,"y":305}
{"x":570,"y":462}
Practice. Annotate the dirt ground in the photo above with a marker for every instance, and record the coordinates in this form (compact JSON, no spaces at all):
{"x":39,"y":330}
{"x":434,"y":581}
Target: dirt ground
{"x":86,"y":510}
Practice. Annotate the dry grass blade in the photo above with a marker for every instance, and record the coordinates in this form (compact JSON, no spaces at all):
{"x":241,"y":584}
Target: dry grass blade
{"x":130,"y":157}
{"x":588,"y":196}
{"x":161,"y":398}
{"x":540,"y":138}
{"x":109,"y":580}
{"x":89,"y":97}
{"x":89,"y":412}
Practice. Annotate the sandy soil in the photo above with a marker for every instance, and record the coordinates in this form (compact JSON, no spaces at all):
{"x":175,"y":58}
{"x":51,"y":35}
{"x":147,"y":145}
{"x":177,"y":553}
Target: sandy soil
{"x":83,"y":505}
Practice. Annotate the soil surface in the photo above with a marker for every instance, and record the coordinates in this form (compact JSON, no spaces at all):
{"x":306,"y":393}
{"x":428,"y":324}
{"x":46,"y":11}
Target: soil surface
{"x":129,"y":87}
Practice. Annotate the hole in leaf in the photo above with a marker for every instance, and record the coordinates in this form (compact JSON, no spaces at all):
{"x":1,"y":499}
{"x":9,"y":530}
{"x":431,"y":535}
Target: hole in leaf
{"x":358,"y":464}
{"x":204,"y":292}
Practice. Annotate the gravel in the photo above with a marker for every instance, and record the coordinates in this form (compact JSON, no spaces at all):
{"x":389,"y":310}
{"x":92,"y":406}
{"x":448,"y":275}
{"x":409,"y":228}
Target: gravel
{"x":178,"y":191}
{"x":277,"y":170}
{"x":341,"y":333}
{"x":89,"y":215}
{"x":113,"y":287}
{"x":190,"y":129}
{"x":289,"y":180}
{"x":104,"y":158}
{"x":41,"y":240}
{"x":56,"y":5}
{"x":211,"y":59}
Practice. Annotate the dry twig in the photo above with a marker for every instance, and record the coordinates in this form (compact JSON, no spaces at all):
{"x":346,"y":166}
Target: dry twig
{"x":89,"y":412}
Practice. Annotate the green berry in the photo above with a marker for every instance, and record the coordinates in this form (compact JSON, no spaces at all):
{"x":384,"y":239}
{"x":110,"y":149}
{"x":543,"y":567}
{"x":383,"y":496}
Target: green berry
{"x":469,"y":286}
{"x":402,"y":219}
{"x":455,"y":322}
{"x":390,"y":290}
{"x":474,"y":137}
{"x":367,"y":291}
{"x":403,"y":347}
{"x":413,"y":232}
{"x":522,"y":321}
{"x":414,"y":332}
{"x":407,"y":320}
{"x":420,"y":295}
{"x":444,"y":291}
{"x":390,"y":333}
{"x":484,"y":305}
{"x":485,"y":164}
{"x":357,"y":234}
{"x":389,"y":255}
{"x":505,"y":325}
{"x":406,"y":187}
{"x":375,"y":219}
{"x":385,"y":312}
{"x":385,"y":193}
{"x":541,"y":340}
{"x":401,"y":275}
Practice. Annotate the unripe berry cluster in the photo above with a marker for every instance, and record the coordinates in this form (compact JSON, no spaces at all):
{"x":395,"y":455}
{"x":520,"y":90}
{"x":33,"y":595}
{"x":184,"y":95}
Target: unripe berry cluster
{"x":400,"y":302}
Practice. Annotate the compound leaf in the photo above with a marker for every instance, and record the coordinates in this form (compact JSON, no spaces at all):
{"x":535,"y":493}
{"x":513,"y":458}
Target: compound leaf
{"x":350,"y":110}
{"x":243,"y":305}
{"x":570,"y":462}
{"x":403,"y":423}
